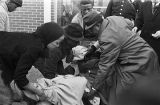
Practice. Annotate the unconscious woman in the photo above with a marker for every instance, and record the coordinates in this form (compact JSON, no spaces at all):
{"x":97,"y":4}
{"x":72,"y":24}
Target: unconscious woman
{"x":69,"y":89}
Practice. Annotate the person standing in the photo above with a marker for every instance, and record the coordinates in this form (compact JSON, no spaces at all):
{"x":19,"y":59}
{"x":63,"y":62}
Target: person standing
{"x":148,"y":22}
{"x":85,"y":7}
{"x":125,"y":56}
{"x":123,"y":8}
{"x":5,"y":7}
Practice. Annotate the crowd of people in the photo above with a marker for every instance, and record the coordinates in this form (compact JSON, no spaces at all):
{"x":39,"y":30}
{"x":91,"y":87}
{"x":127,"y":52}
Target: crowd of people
{"x":120,"y":67}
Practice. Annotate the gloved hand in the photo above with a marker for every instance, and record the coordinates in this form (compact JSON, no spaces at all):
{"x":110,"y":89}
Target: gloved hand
{"x":91,"y":50}
{"x":69,"y":58}
{"x":69,"y":70}
{"x":92,"y":93}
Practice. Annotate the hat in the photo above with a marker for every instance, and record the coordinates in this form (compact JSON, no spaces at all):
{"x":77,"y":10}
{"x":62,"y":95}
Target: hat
{"x":91,"y":19}
{"x":17,"y":2}
{"x":74,"y":31}
{"x":49,"y":32}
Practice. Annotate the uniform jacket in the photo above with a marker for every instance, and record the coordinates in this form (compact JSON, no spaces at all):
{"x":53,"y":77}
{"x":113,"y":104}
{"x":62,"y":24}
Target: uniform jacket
{"x":125,"y":53}
{"x":18,"y":52}
{"x":149,"y":23}
{"x":120,"y":8}
{"x":4,"y":18}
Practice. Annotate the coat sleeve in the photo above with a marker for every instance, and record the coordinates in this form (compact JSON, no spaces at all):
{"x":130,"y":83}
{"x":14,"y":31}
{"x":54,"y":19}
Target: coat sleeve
{"x":3,"y":22}
{"x":139,"y":19}
{"x":51,"y":63}
{"x":24,"y":65}
{"x":108,"y":58}
{"x":109,"y":9}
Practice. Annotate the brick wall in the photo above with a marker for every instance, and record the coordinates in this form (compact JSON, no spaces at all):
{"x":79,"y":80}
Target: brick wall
{"x":27,"y":17}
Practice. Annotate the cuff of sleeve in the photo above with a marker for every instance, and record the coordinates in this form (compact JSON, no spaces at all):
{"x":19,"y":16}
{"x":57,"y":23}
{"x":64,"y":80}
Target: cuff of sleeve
{"x":21,"y":83}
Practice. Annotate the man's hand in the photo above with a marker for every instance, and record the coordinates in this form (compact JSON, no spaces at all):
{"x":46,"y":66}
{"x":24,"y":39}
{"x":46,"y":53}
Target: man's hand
{"x":91,"y":93}
{"x":156,"y":35}
{"x":91,"y":50}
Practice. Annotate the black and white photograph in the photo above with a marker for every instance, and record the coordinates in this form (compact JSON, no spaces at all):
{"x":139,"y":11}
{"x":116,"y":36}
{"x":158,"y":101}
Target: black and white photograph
{"x":79,"y":52}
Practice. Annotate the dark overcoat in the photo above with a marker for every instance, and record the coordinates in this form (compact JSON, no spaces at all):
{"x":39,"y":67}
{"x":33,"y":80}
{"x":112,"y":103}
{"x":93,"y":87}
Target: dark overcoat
{"x":149,"y":23}
{"x":18,"y":52}
{"x":124,"y":53}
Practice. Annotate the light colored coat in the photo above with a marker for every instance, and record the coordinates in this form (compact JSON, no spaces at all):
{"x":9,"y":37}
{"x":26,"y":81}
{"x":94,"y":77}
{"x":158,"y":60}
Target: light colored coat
{"x":64,"y":90}
{"x":78,"y":19}
{"x":4,"y":18}
{"x":125,"y":53}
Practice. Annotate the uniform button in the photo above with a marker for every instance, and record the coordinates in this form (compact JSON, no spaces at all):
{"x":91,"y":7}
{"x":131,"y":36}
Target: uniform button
{"x":120,"y":13}
{"x":122,"y":1}
{"x":121,"y":5}
{"x":121,"y":9}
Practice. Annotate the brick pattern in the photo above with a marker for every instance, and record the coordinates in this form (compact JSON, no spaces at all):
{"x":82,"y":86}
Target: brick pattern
{"x":27,"y":17}
{"x":31,"y":15}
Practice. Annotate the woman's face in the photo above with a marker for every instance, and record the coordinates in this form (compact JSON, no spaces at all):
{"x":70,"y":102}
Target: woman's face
{"x":72,"y":43}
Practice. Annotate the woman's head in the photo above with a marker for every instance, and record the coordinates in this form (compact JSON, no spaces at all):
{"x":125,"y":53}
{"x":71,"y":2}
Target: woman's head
{"x":73,"y":34}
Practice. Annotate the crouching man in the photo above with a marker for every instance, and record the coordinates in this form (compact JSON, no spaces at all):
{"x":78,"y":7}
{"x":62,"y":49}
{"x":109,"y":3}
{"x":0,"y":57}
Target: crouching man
{"x":123,"y":52}
{"x":18,"y":52}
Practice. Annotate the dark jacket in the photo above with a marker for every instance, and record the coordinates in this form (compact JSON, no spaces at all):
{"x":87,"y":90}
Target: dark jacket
{"x":149,"y":23}
{"x":121,"y":8}
{"x":18,"y":52}
{"x":53,"y":64}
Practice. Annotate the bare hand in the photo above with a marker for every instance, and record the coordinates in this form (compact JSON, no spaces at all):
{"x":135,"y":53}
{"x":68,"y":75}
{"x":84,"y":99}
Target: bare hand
{"x":135,"y":29}
{"x":156,"y":35}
